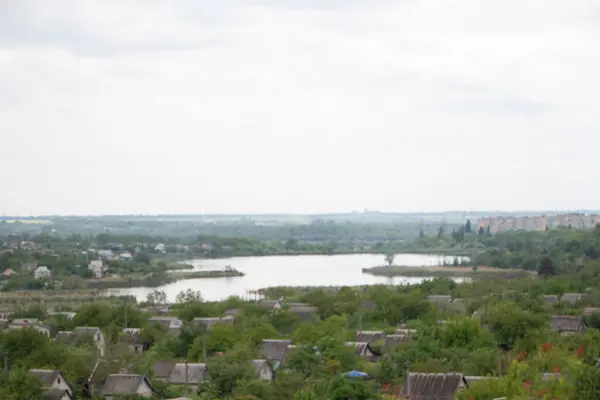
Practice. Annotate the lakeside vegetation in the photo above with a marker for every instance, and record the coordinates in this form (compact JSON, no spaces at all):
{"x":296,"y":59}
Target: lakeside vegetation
{"x":447,"y":271}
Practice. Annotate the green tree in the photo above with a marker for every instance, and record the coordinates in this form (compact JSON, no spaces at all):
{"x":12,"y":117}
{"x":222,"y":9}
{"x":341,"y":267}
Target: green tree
{"x":547,"y":267}
{"x":468,"y":226}
{"x":21,"y":385}
{"x":389,"y":258}
{"x":142,"y":258}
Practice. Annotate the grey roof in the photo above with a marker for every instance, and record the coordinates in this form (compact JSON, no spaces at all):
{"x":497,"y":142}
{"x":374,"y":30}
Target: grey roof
{"x":363,"y":349}
{"x":86,"y":330}
{"x":571,"y":298}
{"x":591,"y":310}
{"x":392,"y":341}
{"x":275,"y":349}
{"x":28,"y":265}
{"x":47,"y":376}
{"x":55,"y":394}
{"x":369,"y":336}
{"x":432,"y":386}
{"x":550,"y":298}
{"x":439,"y":299}
{"x":234,"y":312}
{"x":196,"y":373}
{"x":166,"y":321}
{"x":210,"y":322}
{"x":305,"y":313}
{"x":25,"y":321}
{"x":132,"y":336}
{"x":268,"y":303}
{"x":567,"y":323}
{"x":162,"y":369}
{"x":116,"y":384}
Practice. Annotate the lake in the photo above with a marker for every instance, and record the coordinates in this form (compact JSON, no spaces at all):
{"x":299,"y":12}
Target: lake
{"x":263,"y":272}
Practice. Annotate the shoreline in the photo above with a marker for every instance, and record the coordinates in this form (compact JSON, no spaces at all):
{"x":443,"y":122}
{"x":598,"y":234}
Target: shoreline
{"x":445,"y":271}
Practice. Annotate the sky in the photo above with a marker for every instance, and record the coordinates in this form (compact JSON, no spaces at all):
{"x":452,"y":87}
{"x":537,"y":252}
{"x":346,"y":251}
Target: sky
{"x":303,"y":106}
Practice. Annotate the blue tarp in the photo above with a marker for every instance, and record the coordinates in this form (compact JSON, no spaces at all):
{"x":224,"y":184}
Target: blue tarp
{"x":356,"y":374}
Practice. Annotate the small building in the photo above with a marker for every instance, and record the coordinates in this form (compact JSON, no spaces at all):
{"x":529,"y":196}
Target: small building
{"x":571,"y":298}
{"x":54,"y":394}
{"x":132,"y":337}
{"x":8,"y":272}
{"x":162,"y":369}
{"x":425,"y":386}
{"x":52,"y":379}
{"x":97,"y":268}
{"x":65,"y":314}
{"x":160,"y":248}
{"x":106,"y":254}
{"x":270,"y":304}
{"x":263,"y":370}
{"x":550,"y":299}
{"x":173,"y":324}
{"x":568,"y":324}
{"x":42,"y":272}
{"x":33,"y":323}
{"x":369,"y":336}
{"x":126,"y":256}
{"x":364,"y":350}
{"x":390,"y":342}
{"x":274,"y":350}
{"x":209,"y":322}
{"x":196,"y":373}
{"x":591,"y":311}
{"x":305,"y":313}
{"x":439,"y":299}
{"x":117,"y":385}
{"x":81,"y":334}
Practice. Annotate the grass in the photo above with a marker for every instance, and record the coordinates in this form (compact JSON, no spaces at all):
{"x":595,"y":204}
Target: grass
{"x":447,"y":271}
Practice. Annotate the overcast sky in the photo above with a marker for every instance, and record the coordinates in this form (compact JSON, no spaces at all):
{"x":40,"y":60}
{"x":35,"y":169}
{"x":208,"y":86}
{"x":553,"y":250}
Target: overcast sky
{"x":187,"y":106}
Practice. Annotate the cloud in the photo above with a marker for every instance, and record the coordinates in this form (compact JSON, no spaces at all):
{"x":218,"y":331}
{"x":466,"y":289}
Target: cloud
{"x":263,"y":105}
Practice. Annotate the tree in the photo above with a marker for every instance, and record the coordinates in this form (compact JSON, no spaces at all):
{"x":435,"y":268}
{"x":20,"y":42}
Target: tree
{"x":440,"y":233}
{"x":547,"y":267}
{"x":468,"y":226}
{"x":156,"y":297}
{"x":389,"y":258}
{"x":21,"y":385}
{"x":142,"y":258}
{"x":481,"y":231}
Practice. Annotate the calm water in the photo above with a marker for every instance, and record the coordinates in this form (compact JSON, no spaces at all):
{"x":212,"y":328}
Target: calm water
{"x":262,"y":272}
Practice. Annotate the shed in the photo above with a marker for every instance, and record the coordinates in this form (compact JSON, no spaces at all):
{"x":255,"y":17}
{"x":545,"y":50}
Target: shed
{"x":209,"y":322}
{"x":591,"y":311}
{"x":196,"y":373}
{"x":439,"y":299}
{"x":274,"y":350}
{"x":305,"y":313}
{"x":424,"y":386}
{"x":571,"y":298}
{"x":550,"y":298}
{"x":126,"y":384}
{"x":391,"y":341}
{"x":369,"y":336}
{"x":568,"y":324}
{"x":364,"y":349}
{"x":162,"y":369}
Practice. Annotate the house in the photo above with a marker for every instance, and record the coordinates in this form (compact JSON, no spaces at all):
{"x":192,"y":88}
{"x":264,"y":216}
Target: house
{"x":126,"y":256}
{"x":274,"y":350}
{"x":304,"y":313}
{"x":550,"y":299}
{"x":133,"y":338}
{"x":591,"y":311}
{"x":126,"y":384}
{"x":54,"y":394}
{"x":173,"y":324}
{"x":97,"y":268}
{"x":81,"y":334}
{"x":8,"y":272}
{"x":234,"y":312}
{"x":568,"y":324}
{"x":42,"y":272}
{"x":196,"y":373}
{"x":439,"y":299}
{"x":369,"y":336}
{"x":571,"y":298}
{"x":29,"y":266}
{"x":52,"y":380}
{"x":106,"y":254}
{"x":263,"y":370}
{"x":391,"y":341}
{"x":210,"y":322}
{"x":425,"y":386}
{"x":67,"y":315}
{"x":162,"y":369}
{"x":160,"y":248}
{"x":32,"y":323}
{"x":270,"y":304}
{"x":364,"y":350}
